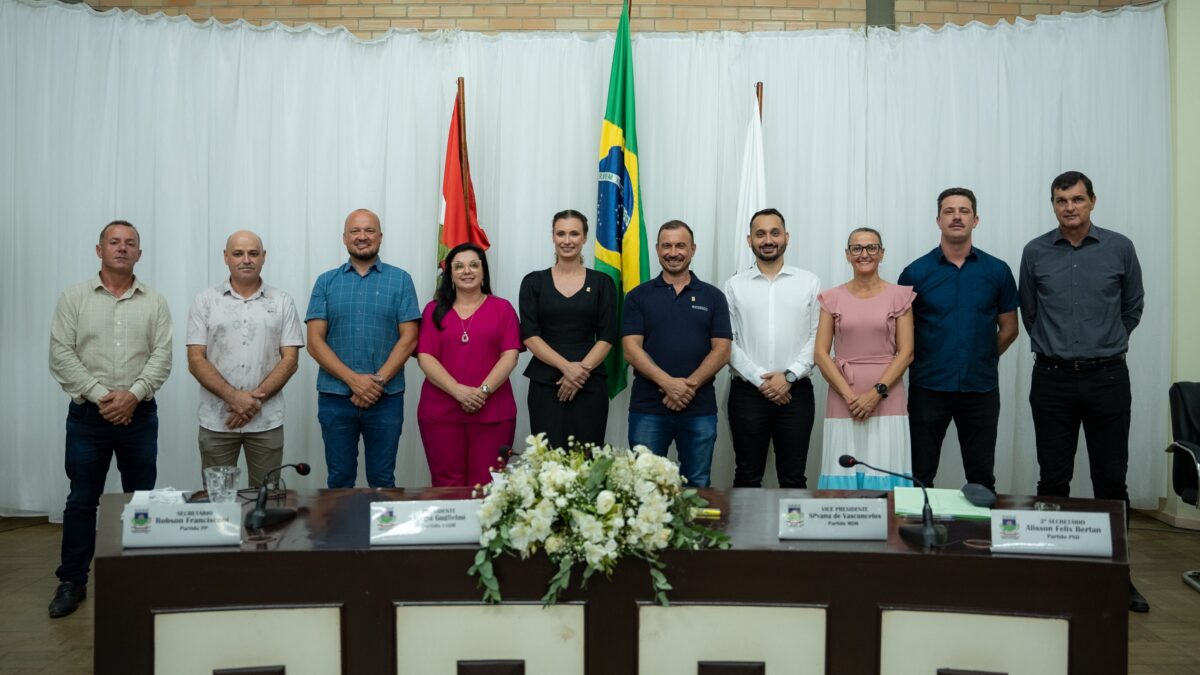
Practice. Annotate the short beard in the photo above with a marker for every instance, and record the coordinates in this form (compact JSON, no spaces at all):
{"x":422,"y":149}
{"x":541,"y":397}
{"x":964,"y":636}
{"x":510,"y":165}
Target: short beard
{"x":778,"y":254}
{"x":365,"y":257}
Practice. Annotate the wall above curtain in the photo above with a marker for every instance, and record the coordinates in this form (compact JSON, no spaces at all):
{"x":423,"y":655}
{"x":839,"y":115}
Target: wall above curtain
{"x":374,"y":18}
{"x":193,"y":131}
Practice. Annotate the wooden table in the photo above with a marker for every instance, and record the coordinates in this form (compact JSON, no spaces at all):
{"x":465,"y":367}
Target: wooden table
{"x":322,"y":558}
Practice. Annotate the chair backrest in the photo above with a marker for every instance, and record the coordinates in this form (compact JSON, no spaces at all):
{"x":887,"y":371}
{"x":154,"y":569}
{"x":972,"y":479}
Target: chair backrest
{"x":1185,"y":427}
{"x":1185,"y":411}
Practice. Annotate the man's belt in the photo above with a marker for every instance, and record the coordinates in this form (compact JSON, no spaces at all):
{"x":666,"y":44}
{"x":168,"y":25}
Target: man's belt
{"x":1079,"y":364}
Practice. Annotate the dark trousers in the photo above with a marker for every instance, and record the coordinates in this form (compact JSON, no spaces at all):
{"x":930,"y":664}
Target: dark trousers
{"x":585,"y":417}
{"x":975,"y":416}
{"x":91,"y":443}
{"x":755,"y":422}
{"x":1098,"y":397}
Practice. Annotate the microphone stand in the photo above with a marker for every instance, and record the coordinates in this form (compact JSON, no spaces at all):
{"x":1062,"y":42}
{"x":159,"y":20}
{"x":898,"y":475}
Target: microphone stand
{"x":926,"y":535}
{"x":262,"y":517}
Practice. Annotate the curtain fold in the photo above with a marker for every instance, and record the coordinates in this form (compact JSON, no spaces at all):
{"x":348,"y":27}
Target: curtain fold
{"x":192,"y":131}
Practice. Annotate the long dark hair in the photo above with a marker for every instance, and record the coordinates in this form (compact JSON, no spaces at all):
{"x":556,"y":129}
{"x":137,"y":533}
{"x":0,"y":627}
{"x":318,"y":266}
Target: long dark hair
{"x":445,"y":294}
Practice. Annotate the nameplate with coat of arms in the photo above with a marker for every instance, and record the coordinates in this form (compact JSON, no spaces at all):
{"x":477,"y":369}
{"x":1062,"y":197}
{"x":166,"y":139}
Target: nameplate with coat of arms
{"x":425,"y":522}
{"x":1052,"y":533}
{"x":149,"y":525}
{"x":857,"y":519}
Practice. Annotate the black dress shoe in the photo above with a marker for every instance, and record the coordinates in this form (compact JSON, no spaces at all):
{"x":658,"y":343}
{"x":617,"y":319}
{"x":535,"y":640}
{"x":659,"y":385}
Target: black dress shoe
{"x":1137,"y":602}
{"x":67,"y":598}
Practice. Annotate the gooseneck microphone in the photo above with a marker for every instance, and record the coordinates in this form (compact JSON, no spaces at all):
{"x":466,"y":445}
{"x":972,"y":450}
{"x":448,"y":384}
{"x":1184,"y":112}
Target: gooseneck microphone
{"x":927,"y":534}
{"x":262,"y":517}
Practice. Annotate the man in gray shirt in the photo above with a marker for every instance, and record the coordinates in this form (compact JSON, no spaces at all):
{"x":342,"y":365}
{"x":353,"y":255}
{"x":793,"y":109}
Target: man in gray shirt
{"x":1081,"y":298}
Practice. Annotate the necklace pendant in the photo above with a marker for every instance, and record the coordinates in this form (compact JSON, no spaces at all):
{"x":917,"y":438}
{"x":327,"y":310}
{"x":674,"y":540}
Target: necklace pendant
{"x":465,"y":338}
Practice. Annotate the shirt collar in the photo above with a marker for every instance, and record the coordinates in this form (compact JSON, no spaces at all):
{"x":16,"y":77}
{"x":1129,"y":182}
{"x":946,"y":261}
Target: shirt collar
{"x":137,"y":287}
{"x":1094,"y":233}
{"x":227,"y":289}
{"x":942,"y":254}
{"x":693,"y":283}
{"x":346,"y":266}
{"x":757,"y":273}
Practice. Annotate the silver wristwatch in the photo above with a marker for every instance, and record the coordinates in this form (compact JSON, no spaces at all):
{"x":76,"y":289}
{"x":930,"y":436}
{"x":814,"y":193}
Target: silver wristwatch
{"x":790,"y":376}
{"x":485,"y":389}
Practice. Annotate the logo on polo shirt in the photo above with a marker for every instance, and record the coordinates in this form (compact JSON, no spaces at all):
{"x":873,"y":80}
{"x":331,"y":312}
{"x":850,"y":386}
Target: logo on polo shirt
{"x":699,"y":307}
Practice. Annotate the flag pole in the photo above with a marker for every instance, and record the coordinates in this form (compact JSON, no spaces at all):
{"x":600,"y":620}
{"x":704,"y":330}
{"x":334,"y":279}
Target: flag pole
{"x":758,"y":91}
{"x":462,"y":144}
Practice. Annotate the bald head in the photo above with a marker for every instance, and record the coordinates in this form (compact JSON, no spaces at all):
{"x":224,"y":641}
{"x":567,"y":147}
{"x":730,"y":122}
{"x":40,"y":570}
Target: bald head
{"x":245,"y":256}
{"x":363,"y":217}
{"x":362,"y":235}
{"x":243,"y":239}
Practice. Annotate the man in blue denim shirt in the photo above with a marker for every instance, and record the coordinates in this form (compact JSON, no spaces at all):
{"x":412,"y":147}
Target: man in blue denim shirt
{"x":676,"y":335}
{"x":362,"y":326}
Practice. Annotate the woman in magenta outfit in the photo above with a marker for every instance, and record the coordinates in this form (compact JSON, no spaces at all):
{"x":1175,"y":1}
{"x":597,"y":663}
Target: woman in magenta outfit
{"x":467,"y":347}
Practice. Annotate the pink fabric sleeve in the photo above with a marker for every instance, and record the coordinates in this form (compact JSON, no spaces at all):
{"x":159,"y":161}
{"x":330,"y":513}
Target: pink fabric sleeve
{"x":828,"y":300}
{"x":902,"y":300}
{"x":427,"y":339}
{"x":510,"y":327}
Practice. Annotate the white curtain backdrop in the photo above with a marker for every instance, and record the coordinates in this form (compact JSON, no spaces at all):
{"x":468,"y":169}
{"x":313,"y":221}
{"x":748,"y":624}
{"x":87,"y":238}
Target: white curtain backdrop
{"x":193,"y":131}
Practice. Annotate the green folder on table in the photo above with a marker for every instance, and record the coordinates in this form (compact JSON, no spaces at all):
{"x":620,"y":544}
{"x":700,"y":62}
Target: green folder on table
{"x":945,"y":503}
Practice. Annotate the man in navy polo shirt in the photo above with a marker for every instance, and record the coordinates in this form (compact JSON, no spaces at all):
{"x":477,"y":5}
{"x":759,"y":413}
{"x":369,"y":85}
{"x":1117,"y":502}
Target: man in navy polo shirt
{"x":676,"y":334}
{"x":362,"y":326}
{"x":966,"y":316}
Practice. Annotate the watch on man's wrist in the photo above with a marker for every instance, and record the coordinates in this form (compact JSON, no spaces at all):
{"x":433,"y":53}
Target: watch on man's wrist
{"x":881,"y":389}
{"x":790,"y":376}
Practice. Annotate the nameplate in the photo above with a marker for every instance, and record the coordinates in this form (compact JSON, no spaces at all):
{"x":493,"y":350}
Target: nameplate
{"x":833,"y":519}
{"x":429,"y":522}
{"x":175,"y":525}
{"x":1052,"y":533}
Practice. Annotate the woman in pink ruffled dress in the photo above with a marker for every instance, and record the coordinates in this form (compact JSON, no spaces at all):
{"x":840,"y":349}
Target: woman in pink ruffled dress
{"x":869,"y":325}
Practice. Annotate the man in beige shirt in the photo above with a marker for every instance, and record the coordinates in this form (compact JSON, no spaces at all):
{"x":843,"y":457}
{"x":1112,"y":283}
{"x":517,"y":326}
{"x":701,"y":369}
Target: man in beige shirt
{"x":110,"y":349}
{"x":243,"y":341}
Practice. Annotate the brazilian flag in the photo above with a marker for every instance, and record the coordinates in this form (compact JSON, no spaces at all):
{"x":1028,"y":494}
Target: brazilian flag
{"x":621,"y":251}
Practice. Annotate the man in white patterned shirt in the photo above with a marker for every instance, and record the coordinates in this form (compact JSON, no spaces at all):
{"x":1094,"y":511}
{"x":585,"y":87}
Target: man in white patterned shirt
{"x":773,"y":312}
{"x":243,"y":342}
{"x":110,"y":349}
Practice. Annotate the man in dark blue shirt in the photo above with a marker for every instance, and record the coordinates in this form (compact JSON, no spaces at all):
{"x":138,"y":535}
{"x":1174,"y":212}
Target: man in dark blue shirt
{"x":676,"y":335}
{"x":966,"y":316}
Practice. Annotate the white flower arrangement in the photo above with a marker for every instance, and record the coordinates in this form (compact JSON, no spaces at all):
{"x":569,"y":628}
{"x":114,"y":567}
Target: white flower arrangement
{"x":588,"y":505}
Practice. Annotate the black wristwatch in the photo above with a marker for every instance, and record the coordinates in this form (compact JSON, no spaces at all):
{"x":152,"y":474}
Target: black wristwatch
{"x":790,"y":377}
{"x":881,"y":389}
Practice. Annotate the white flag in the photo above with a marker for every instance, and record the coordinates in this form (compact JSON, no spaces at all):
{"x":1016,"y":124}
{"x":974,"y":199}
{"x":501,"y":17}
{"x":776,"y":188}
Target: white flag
{"x":752,"y":192}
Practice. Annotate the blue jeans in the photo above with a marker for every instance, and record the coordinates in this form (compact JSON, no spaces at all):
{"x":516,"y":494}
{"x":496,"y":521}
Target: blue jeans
{"x":91,"y":443}
{"x":342,"y":423}
{"x":694,"y":438}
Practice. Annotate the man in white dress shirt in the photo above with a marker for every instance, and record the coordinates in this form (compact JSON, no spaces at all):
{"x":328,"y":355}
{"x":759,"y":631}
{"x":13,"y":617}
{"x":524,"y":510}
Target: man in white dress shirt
{"x":243,"y":341}
{"x":773,"y":310}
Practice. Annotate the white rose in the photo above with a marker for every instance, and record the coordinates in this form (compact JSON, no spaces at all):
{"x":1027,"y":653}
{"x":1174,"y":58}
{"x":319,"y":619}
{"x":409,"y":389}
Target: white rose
{"x":605,"y":501}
